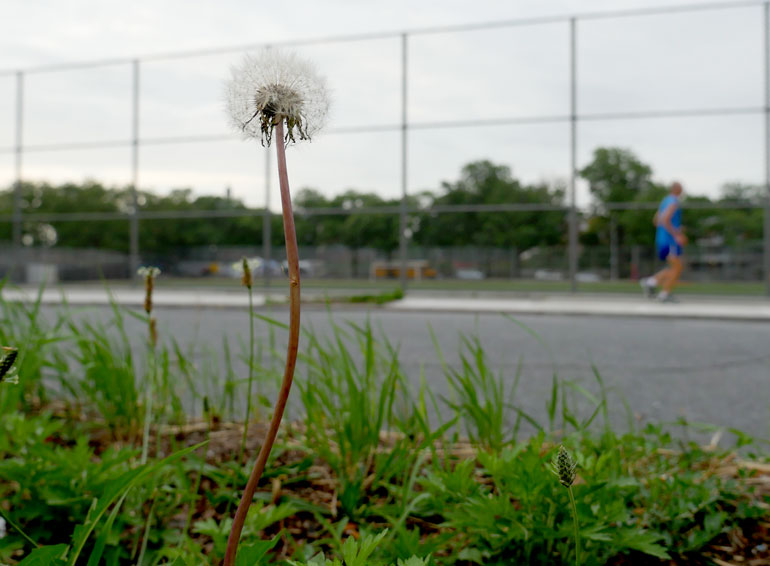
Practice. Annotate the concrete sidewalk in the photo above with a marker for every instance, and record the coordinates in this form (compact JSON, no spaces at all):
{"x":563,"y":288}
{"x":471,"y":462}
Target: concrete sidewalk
{"x":134,"y":297}
{"x":596,"y":305}
{"x":691,"y":307}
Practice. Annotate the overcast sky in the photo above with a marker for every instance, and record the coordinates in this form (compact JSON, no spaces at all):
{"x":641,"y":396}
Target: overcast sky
{"x":696,"y":60}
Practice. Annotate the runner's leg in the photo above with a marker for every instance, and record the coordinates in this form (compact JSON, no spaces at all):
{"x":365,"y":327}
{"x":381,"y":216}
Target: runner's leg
{"x":675,"y":271}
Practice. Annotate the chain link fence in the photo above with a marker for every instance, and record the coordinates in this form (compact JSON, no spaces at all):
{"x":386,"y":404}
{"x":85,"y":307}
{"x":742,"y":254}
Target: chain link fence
{"x":146,"y":142}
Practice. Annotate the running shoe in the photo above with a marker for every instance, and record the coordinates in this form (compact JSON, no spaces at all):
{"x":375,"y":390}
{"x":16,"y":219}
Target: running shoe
{"x":647,"y":288}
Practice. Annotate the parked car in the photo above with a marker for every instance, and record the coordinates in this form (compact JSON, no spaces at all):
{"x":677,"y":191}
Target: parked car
{"x":469,"y":274}
{"x":306,"y":268}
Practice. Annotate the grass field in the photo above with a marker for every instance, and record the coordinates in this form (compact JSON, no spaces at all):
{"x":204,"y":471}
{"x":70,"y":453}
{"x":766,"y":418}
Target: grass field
{"x":101,"y":463}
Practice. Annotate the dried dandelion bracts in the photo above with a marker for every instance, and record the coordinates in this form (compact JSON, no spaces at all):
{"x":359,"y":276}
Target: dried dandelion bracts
{"x":275,"y":94}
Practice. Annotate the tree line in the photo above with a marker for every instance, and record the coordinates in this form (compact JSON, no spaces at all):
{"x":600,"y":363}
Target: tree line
{"x":614,"y":175}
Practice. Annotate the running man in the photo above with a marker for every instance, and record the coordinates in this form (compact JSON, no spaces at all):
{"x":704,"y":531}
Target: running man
{"x":669,"y":241}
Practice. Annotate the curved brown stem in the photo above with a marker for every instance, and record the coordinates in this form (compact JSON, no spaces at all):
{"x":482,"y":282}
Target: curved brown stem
{"x":292,"y":256}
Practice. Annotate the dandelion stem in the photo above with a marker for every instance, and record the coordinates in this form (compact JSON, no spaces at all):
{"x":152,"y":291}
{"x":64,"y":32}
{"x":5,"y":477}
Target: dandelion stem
{"x":575,"y":522}
{"x":292,"y":257}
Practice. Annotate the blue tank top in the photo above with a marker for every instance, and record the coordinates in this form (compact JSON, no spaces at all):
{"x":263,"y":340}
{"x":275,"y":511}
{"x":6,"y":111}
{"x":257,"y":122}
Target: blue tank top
{"x":661,"y":234}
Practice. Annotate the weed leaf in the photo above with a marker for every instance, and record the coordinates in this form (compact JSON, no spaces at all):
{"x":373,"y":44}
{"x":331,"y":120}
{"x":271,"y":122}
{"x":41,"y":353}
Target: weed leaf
{"x":252,"y":555}
{"x":45,"y":556}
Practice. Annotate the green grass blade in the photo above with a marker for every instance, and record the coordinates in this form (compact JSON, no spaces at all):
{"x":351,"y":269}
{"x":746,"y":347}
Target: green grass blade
{"x":271,"y":321}
{"x":17,"y":528}
{"x":101,"y":542}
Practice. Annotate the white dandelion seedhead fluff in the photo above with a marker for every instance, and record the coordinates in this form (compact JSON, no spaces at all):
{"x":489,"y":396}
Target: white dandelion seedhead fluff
{"x":275,"y":86}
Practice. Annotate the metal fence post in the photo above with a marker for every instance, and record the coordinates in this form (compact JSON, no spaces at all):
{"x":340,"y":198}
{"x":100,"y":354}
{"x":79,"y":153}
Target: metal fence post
{"x":18,"y":150}
{"x":636,"y":260}
{"x":134,"y":217}
{"x":402,"y":243}
{"x":766,"y":223}
{"x":514,"y":273}
{"x":573,"y":231}
{"x":614,"y":259}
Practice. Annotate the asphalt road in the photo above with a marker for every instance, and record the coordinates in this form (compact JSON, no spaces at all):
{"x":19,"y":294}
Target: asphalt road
{"x":709,"y":371}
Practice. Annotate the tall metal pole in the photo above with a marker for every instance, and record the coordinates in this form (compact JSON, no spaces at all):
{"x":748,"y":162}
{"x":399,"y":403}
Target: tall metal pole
{"x":614,"y":255}
{"x":17,"y":220}
{"x":766,"y":224}
{"x":134,"y":218}
{"x":573,"y":232}
{"x":402,"y":243}
{"x":267,"y":232}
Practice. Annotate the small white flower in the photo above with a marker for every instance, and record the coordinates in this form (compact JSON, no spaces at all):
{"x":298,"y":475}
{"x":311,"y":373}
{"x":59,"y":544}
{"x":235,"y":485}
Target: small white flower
{"x":275,"y":86}
{"x":2,"y":528}
{"x":150,"y":271}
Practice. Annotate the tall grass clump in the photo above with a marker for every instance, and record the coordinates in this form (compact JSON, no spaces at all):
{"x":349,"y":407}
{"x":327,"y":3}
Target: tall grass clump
{"x":276,"y":93}
{"x":107,"y":383}
{"x":483,"y":402}
{"x":24,"y":325}
{"x":348,"y":394}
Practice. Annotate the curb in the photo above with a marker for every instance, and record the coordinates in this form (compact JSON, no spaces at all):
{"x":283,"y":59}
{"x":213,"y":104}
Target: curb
{"x":135,"y":297}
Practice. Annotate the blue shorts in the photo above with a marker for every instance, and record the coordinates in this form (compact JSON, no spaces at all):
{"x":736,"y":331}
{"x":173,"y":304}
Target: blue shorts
{"x":666,"y":249}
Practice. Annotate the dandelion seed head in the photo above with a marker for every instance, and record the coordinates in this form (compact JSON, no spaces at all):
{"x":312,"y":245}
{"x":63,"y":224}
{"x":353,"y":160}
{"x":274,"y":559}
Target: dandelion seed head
{"x":275,"y":86}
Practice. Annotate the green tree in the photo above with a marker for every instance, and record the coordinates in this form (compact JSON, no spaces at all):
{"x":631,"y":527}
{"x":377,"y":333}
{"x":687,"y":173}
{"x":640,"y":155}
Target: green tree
{"x":169,"y":235}
{"x":739,"y":225}
{"x":485,"y":183}
{"x":316,"y":229}
{"x":90,"y":197}
{"x":614,"y":176}
{"x":156,"y":235}
{"x":365,"y":230}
